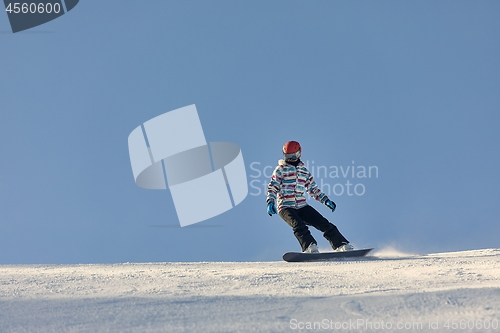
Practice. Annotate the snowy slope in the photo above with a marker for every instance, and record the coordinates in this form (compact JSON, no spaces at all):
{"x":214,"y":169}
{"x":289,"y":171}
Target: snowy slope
{"x":456,"y":292}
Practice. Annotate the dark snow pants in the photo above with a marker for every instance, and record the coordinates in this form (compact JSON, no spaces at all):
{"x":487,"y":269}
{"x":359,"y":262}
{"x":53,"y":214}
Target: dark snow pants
{"x":300,"y":218}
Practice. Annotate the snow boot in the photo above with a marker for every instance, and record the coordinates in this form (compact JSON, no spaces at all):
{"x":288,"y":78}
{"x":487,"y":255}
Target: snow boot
{"x":312,"y":248}
{"x":345,"y":247}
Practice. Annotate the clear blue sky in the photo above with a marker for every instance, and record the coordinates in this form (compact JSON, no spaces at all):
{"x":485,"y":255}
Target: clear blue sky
{"x":412,"y":88}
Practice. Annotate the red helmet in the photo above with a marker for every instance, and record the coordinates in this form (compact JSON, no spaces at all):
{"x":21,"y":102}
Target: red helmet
{"x":292,"y":151}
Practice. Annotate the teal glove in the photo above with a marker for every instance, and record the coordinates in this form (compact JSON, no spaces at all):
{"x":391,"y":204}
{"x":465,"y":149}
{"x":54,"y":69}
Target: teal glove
{"x":330,"y":204}
{"x":271,"y":208}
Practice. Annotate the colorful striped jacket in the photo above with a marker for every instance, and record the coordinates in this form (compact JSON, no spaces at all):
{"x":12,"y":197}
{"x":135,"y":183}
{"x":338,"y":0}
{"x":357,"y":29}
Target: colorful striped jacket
{"x":288,"y":185}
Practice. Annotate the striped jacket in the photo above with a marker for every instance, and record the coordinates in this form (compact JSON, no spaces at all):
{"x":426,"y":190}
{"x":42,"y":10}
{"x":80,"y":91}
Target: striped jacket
{"x":288,"y":186}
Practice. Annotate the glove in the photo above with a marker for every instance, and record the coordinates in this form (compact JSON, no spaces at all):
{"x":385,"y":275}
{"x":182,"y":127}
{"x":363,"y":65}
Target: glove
{"x":271,"y":208}
{"x":330,"y":204}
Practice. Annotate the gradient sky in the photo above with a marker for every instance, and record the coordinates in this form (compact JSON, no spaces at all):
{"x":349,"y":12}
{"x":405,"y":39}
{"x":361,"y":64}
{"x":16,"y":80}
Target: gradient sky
{"x":412,"y":88}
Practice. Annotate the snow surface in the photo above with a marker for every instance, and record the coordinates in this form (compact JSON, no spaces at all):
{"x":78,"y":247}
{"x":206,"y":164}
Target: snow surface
{"x":387,"y":292}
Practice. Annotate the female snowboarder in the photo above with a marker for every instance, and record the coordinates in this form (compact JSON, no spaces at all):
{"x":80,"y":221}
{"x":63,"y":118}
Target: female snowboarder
{"x":285,"y":195}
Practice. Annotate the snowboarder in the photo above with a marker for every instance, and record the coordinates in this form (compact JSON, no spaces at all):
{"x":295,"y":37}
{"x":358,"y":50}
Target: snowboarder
{"x":285,"y":196}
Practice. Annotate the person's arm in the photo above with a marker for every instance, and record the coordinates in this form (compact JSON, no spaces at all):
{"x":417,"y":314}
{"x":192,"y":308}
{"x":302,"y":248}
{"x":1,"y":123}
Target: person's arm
{"x":274,"y":186}
{"x":272,"y":191}
{"x":314,"y":191}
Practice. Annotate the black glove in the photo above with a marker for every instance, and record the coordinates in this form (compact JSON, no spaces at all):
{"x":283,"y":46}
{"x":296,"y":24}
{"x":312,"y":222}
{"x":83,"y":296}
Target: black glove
{"x":330,"y":204}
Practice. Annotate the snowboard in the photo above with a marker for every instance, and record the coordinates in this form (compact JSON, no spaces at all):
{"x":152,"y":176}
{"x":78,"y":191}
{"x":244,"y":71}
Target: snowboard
{"x":300,"y":256}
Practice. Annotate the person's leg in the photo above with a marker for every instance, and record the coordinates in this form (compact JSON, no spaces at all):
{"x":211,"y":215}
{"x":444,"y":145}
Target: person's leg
{"x":300,"y":229}
{"x":313,"y":218}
